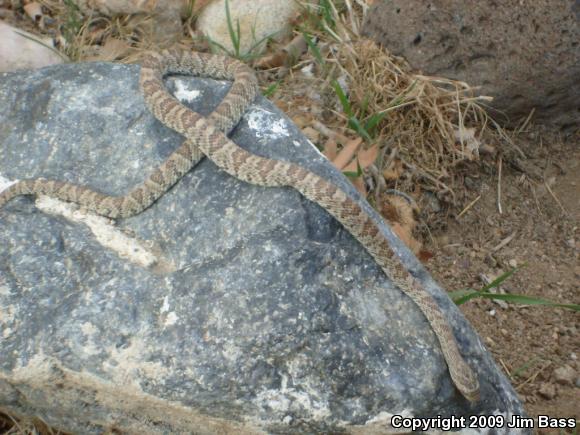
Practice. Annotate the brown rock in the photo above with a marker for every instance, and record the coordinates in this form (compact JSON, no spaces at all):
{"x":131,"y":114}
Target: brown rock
{"x":547,"y":391}
{"x":524,"y":54}
{"x":565,"y":375}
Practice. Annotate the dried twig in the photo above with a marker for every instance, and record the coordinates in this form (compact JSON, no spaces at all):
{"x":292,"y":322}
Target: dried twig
{"x":549,"y":189}
{"x":499,"y":166}
{"x":503,"y":242}
{"x":533,"y":377}
{"x":471,"y":204}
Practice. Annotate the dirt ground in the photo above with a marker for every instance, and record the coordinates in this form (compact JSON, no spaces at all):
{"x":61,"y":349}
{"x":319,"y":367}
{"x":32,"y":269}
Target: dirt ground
{"x":539,"y":229}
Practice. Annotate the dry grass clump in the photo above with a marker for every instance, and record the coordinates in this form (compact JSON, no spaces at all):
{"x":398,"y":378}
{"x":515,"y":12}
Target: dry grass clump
{"x":427,"y":124}
{"x":10,"y":425}
{"x":423,"y":127}
{"x":426,"y":119}
{"x":424,"y":113}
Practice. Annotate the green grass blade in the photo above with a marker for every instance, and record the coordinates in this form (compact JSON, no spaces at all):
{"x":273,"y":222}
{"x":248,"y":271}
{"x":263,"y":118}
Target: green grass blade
{"x":313,"y":48}
{"x":356,"y":174}
{"x":342,"y":98}
{"x":496,"y":282}
{"x":373,"y":121}
{"x":257,"y":43}
{"x":189,"y":9}
{"x":238,"y":37}
{"x":271,"y":89}
{"x":355,"y":125}
{"x":521,"y":369}
{"x":235,"y":38}
{"x":462,"y":296}
{"x":326,"y":9}
{"x":73,"y":23}
{"x":528,"y":300}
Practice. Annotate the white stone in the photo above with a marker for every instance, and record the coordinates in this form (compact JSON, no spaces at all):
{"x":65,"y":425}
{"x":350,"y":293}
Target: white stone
{"x":22,"y":50}
{"x":258,"y":20}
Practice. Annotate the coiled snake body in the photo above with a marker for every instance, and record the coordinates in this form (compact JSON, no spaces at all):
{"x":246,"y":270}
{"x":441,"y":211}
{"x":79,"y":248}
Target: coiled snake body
{"x":208,"y":136}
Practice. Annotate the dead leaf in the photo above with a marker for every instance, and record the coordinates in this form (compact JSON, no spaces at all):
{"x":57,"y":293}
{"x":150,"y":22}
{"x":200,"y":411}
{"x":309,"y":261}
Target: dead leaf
{"x":286,"y":56}
{"x":425,"y":255}
{"x":272,"y":60}
{"x":406,"y":237}
{"x":352,"y":167}
{"x":296,"y":48}
{"x":357,"y":163}
{"x":359,"y":183}
{"x":349,"y":161}
{"x":34,"y":11}
{"x":347,"y":153}
{"x":399,"y":213}
{"x":111,"y":50}
{"x":330,"y":149}
{"x":367,"y":157}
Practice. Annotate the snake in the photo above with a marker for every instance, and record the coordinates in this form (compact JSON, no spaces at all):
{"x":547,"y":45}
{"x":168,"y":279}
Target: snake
{"x":208,"y":136}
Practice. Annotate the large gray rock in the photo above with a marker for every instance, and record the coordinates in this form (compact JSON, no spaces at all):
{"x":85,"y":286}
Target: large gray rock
{"x":524,"y":54}
{"x":224,"y":308}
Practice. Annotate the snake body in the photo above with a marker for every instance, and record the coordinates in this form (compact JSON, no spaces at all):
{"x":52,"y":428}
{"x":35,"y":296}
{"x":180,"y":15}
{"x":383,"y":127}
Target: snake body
{"x":208,"y":136}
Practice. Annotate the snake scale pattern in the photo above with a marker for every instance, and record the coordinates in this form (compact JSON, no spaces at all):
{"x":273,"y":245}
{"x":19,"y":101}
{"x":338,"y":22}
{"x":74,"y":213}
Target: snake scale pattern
{"x":208,"y":136}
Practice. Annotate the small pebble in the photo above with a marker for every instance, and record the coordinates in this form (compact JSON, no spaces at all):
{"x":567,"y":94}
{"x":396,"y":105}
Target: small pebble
{"x":490,"y":260}
{"x":547,"y":391}
{"x":565,"y":375}
{"x":307,"y":70}
{"x":489,"y":341}
{"x":503,"y":304}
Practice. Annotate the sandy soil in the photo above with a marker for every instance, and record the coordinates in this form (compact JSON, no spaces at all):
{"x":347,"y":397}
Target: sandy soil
{"x":537,"y":347}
